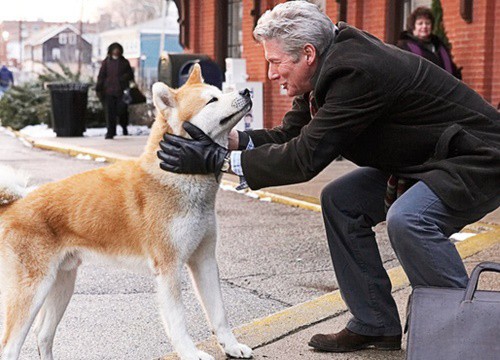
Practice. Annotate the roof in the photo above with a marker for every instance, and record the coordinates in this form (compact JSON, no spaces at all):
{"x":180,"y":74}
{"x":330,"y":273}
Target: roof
{"x":43,"y":35}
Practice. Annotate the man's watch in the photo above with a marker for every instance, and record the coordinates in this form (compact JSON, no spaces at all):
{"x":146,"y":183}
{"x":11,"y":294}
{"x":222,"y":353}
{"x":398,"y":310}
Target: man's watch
{"x":226,"y":165}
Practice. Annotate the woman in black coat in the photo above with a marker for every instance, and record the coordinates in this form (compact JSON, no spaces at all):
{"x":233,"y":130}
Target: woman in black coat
{"x":418,"y":39}
{"x":114,"y":77}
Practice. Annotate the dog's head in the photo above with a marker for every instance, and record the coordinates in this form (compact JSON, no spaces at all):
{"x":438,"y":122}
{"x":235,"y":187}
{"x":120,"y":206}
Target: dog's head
{"x":203,"y":105}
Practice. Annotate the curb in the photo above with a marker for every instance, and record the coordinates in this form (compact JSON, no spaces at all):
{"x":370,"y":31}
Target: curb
{"x":71,"y":149}
{"x":261,"y":332}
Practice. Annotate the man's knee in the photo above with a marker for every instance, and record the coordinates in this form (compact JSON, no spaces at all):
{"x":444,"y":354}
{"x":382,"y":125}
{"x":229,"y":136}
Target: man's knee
{"x":328,"y":194}
{"x":402,"y":228}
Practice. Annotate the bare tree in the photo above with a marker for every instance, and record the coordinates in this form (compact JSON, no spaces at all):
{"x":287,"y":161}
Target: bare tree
{"x":129,"y":12}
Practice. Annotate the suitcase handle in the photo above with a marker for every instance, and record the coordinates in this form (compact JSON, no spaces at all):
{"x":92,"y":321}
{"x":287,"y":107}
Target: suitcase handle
{"x":474,"y":278}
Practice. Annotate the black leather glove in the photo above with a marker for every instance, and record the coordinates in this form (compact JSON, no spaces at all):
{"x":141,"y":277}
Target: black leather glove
{"x":200,"y":155}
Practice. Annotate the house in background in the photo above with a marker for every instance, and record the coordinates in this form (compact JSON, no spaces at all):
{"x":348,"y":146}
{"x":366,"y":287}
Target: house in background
{"x":223,"y":29}
{"x":141,"y":44}
{"x":58,"y":44}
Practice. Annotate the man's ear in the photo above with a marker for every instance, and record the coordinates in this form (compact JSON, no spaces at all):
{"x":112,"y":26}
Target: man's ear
{"x":163,"y":96}
{"x":310,"y":53}
{"x":195,"y":76}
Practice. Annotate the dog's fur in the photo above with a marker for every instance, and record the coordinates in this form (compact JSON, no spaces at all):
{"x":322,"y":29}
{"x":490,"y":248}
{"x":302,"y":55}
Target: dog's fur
{"x":131,"y":211}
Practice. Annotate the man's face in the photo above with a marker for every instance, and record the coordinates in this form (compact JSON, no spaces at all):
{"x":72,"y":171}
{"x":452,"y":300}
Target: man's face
{"x":423,"y":28}
{"x":294,"y":77}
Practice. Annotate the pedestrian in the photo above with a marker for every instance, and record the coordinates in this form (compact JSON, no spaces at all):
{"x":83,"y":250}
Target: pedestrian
{"x":427,"y":146}
{"x":114,"y":78}
{"x":419,"y":39}
{"x":6,"y":80}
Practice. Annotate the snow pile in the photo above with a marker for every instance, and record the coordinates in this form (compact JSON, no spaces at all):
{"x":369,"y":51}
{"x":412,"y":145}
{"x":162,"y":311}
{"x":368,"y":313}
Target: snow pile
{"x":43,"y":131}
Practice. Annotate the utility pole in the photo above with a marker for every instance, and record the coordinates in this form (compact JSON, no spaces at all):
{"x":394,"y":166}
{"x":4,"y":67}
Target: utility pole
{"x":20,"y":44}
{"x":164,"y":14}
{"x":80,"y":41}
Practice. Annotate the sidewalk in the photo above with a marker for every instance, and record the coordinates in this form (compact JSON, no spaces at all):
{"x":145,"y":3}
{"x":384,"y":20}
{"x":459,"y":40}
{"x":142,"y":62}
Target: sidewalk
{"x":128,"y":147}
{"x":284,"y":335}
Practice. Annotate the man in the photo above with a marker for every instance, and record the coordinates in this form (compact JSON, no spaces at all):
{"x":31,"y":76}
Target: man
{"x":407,"y":123}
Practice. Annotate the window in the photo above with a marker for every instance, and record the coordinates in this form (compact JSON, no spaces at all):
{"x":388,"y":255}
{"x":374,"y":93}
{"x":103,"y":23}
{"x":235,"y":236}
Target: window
{"x":72,"y":39}
{"x":63,"y":38}
{"x":397,"y":15}
{"x":56,"y":54}
{"x":234,"y":29}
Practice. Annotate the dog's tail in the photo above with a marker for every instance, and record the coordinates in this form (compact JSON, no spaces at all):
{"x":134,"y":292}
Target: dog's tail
{"x":13,"y":185}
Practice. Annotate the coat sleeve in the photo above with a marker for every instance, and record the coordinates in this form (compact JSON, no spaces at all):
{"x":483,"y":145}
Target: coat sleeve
{"x":128,"y":75}
{"x":457,"y":71}
{"x":101,"y":77}
{"x":293,"y":121}
{"x":352,"y":103}
{"x":403,"y":44}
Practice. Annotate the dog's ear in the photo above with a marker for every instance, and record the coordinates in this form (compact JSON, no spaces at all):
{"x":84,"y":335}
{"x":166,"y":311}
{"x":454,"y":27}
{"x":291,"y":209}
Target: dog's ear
{"x":195,"y":76}
{"x":163,"y":96}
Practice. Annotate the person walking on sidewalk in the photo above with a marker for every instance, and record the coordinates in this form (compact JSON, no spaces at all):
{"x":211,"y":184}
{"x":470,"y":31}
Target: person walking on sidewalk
{"x":420,"y":40}
{"x":114,"y":77}
{"x":427,"y":145}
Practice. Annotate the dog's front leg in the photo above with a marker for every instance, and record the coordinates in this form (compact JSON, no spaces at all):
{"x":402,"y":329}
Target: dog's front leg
{"x":205,"y":275}
{"x":172,"y":314}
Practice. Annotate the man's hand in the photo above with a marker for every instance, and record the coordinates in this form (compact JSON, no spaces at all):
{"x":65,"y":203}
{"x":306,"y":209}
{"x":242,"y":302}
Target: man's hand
{"x":200,"y":155}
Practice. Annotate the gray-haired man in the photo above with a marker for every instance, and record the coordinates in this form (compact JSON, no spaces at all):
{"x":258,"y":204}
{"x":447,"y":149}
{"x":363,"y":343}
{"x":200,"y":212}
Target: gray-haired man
{"x":407,"y":123}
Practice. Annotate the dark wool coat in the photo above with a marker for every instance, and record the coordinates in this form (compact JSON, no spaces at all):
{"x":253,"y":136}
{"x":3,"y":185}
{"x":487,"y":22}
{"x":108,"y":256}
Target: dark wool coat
{"x":386,"y":108}
{"x":429,"y":50}
{"x":114,"y":76}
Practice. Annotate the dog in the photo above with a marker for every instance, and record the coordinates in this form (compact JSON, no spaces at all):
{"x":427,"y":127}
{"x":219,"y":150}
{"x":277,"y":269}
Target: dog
{"x":131,"y":211}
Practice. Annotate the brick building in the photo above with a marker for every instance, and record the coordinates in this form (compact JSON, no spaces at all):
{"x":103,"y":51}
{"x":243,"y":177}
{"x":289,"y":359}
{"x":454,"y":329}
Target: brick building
{"x":223,"y":28}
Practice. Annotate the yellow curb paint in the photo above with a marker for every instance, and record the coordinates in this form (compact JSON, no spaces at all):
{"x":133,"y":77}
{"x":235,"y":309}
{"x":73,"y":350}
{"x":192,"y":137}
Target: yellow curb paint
{"x":71,"y":149}
{"x":77,"y":150}
{"x":478,"y":243}
{"x":280,"y":199}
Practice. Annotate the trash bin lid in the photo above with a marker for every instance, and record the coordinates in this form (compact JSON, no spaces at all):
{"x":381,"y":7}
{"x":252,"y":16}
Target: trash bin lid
{"x":68,"y":86}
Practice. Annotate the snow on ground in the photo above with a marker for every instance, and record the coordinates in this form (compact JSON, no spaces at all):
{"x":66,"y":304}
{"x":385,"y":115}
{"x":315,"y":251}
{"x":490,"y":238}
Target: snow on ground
{"x":43,"y":131}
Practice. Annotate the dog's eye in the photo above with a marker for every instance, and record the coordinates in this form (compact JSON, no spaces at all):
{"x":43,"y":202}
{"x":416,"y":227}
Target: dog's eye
{"x":214,"y":99}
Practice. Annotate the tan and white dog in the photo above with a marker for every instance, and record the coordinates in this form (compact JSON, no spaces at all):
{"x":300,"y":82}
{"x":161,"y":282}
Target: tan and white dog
{"x":132,"y":212}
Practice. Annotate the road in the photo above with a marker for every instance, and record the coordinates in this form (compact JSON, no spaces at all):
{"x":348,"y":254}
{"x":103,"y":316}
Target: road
{"x":271,"y":256}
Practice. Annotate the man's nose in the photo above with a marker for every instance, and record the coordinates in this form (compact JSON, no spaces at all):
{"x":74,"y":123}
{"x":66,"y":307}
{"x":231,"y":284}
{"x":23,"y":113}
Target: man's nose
{"x":271,"y":74}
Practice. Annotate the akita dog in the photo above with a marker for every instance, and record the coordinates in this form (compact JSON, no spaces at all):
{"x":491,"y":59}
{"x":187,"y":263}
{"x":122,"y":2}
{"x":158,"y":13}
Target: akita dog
{"x":131,"y":211}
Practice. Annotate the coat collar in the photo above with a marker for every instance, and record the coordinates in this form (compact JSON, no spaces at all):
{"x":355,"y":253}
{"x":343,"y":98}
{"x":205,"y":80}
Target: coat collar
{"x":314,"y":80}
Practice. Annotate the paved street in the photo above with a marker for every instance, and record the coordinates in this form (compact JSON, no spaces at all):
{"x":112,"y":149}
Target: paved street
{"x":271,"y":256}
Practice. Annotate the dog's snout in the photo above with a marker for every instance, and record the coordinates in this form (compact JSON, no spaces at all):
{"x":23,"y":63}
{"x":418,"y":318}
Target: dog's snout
{"x":245,"y":92}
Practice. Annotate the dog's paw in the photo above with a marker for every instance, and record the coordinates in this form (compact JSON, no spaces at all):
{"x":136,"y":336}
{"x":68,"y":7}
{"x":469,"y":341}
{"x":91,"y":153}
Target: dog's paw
{"x":204,"y":356}
{"x":239,"y":351}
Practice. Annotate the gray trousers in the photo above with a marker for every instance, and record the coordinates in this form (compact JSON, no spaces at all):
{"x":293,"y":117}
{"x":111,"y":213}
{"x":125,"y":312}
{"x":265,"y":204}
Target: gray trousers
{"x":418,"y":224}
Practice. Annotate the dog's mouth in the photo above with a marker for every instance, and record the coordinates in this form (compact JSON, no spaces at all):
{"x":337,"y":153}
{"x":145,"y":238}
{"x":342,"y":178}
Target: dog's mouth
{"x":237,"y":115}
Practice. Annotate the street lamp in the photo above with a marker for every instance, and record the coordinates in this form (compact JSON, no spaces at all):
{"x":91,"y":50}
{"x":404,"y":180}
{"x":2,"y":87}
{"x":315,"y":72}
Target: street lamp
{"x":143,"y":58}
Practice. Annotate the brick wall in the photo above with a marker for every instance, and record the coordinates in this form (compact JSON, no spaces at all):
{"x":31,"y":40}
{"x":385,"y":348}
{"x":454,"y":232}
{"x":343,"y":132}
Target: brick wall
{"x":495,"y":84}
{"x":476,"y":45}
{"x":374,"y":17}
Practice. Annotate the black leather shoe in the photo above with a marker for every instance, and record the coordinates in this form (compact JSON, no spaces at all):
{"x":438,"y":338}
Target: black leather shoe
{"x":110,"y":137}
{"x":346,"y":341}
